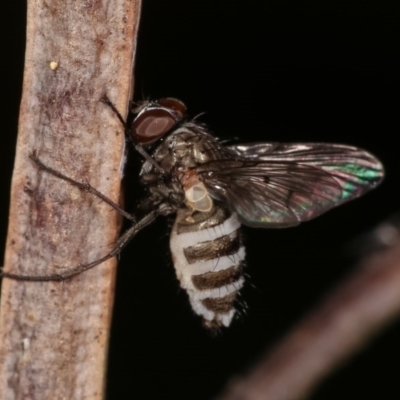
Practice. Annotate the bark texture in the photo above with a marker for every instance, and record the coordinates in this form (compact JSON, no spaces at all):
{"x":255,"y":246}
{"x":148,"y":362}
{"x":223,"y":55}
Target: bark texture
{"x":54,"y":335}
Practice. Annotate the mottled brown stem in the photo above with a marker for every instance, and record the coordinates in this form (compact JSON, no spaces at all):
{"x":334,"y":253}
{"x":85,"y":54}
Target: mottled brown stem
{"x":54,"y":335}
{"x":365,"y":303}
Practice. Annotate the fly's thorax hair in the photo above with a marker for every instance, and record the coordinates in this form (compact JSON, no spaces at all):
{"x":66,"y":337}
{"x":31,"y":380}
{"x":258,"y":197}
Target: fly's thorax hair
{"x":208,"y":256}
{"x":187,"y":146}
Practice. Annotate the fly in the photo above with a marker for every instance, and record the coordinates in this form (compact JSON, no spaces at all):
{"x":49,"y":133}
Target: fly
{"x":213,"y":189}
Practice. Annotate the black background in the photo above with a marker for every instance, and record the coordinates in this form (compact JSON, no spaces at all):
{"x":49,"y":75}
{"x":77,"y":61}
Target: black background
{"x":266,"y":71}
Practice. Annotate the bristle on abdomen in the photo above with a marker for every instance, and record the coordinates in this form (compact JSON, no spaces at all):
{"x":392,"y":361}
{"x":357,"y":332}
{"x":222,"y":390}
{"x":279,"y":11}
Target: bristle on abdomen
{"x":208,"y":257}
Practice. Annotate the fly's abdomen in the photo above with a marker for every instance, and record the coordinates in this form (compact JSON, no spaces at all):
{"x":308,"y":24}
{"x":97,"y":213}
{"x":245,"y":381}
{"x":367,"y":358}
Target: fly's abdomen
{"x":208,"y":256}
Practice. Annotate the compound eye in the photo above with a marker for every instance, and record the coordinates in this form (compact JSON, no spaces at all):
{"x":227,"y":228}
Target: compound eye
{"x":152,"y":125}
{"x":173,"y":104}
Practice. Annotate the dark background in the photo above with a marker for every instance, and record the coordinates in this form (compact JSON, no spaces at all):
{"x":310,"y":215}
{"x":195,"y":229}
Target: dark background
{"x":266,"y":71}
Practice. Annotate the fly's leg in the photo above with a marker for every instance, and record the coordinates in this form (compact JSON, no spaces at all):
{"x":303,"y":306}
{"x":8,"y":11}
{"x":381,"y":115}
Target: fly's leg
{"x":121,"y":243}
{"x":81,"y":185}
{"x":85,"y":186}
{"x":138,"y":147}
{"x":62,"y":276}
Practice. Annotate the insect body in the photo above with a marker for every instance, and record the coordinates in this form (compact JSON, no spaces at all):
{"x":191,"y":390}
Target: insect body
{"x":208,"y":254}
{"x":213,"y":189}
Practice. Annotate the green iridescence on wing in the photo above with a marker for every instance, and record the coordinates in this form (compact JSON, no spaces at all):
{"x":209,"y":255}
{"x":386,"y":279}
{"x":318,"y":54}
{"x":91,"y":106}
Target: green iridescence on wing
{"x":353,"y":176}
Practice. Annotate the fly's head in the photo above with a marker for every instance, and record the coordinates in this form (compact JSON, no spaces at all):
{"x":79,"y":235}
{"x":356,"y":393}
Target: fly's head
{"x":153,"y":122}
{"x":154,"y":119}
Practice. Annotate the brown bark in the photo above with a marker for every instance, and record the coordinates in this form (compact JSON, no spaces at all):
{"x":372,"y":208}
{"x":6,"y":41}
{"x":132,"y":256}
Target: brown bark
{"x":54,"y":335}
{"x":350,"y":316}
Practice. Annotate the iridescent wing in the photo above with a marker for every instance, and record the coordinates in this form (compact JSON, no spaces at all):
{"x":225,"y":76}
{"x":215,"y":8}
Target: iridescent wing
{"x":278,"y":185}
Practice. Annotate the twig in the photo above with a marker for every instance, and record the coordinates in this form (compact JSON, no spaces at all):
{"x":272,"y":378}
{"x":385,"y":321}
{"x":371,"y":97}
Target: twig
{"x":54,"y":335}
{"x":344,"y":322}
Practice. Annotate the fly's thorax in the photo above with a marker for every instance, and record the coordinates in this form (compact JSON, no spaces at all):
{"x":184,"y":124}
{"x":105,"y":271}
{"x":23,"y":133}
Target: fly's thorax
{"x":178,"y":155}
{"x":165,"y":194}
{"x":187,"y":146}
{"x":208,"y":257}
{"x":177,"y":189}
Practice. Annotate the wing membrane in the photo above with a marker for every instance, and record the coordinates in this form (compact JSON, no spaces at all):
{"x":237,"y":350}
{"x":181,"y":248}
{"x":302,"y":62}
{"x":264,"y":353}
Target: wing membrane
{"x":280,"y":185}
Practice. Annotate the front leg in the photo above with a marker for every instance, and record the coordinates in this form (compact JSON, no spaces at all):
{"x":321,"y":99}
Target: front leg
{"x":85,"y":186}
{"x":118,"y":247}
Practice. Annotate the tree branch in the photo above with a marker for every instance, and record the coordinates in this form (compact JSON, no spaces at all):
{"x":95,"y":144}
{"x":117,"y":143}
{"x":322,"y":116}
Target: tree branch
{"x":54,"y":336}
{"x":348,"y":318}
